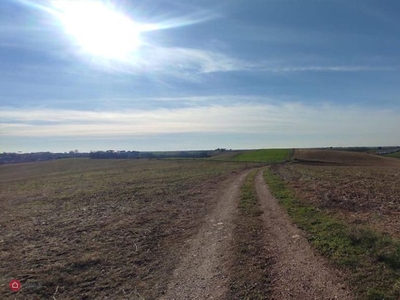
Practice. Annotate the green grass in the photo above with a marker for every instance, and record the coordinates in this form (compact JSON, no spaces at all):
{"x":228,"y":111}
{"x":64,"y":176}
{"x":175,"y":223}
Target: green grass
{"x":264,"y":155}
{"x":248,"y":204}
{"x":249,"y":274}
{"x":371,"y":260}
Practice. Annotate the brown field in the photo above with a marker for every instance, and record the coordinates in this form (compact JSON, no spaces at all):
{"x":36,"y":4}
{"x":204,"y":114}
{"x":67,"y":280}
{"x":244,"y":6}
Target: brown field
{"x":100,"y":229}
{"x":343,"y":158}
{"x":149,"y":229}
{"x":360,"y":188}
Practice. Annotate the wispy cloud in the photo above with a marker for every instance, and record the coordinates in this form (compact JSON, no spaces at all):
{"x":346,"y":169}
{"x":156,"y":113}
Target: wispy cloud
{"x":351,"y":122}
{"x":189,"y":63}
{"x":157,"y":60}
{"x":185,"y":60}
{"x":340,"y":68}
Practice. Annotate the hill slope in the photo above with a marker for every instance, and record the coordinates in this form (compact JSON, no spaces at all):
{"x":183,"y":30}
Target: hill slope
{"x":343,"y":158}
{"x":264,"y":155}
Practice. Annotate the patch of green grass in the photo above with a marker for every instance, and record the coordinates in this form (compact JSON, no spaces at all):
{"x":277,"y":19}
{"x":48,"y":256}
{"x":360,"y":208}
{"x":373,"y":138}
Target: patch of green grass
{"x":372,"y":260}
{"x":248,"y":200}
{"x":265,"y":155}
{"x":249,"y":274}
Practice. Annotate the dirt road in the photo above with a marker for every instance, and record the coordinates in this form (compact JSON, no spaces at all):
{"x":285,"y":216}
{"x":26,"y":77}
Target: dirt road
{"x":297,"y":272}
{"x":203,"y":271}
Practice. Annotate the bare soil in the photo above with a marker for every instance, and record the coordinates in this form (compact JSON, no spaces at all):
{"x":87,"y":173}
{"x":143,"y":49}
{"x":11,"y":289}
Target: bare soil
{"x":143,"y":230}
{"x":203,"y":271}
{"x":345,"y":158}
{"x":101,"y":229}
{"x":356,"y":194}
{"x":298,"y":272}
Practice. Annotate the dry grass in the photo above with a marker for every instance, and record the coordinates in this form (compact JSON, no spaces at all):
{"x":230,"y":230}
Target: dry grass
{"x":100,"y":229}
{"x":370,"y":260}
{"x":364,"y":195}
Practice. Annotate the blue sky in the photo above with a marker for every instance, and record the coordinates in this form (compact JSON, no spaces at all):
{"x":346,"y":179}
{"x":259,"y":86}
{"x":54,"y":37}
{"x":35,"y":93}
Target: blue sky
{"x":198,"y":74}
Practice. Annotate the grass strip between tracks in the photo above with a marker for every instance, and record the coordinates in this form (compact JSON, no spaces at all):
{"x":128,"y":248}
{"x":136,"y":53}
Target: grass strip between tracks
{"x":371,"y":260}
{"x":249,"y":273}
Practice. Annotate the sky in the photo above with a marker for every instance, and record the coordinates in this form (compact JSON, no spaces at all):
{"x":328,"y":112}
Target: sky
{"x":198,"y":74}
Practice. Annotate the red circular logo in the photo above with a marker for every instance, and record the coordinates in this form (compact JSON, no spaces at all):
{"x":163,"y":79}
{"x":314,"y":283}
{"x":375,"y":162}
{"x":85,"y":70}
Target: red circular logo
{"x":15,"y":285}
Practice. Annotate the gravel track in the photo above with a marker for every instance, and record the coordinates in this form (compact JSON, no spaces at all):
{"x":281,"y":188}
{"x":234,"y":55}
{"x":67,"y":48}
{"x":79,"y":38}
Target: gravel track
{"x":203,"y":271}
{"x":298,"y":272}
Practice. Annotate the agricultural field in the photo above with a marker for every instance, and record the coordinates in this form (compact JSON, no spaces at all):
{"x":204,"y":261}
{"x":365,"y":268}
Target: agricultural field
{"x":264,"y":155}
{"x":101,"y":229}
{"x":341,"y":158}
{"x":395,"y":155}
{"x":349,"y":205}
{"x":361,"y":195}
{"x":361,"y":188}
{"x":224,"y":156}
{"x":194,"y":228}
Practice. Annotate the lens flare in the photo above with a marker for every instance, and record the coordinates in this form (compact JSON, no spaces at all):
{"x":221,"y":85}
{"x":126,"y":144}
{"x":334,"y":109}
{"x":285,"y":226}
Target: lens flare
{"x":99,"y":29}
{"x":106,"y":36}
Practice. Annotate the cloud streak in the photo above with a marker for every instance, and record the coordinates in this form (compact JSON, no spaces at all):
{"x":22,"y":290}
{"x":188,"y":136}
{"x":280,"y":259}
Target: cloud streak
{"x":340,"y":68}
{"x":177,"y":60}
{"x":156,"y":60}
{"x":188,"y":62}
{"x":292,"y":119}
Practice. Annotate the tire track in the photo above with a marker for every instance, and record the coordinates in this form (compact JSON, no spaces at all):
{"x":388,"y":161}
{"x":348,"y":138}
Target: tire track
{"x":297,"y":272}
{"x":203,"y":271}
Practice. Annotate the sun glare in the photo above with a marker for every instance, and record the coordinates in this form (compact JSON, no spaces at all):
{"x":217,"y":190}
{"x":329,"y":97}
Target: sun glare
{"x":99,"y":29}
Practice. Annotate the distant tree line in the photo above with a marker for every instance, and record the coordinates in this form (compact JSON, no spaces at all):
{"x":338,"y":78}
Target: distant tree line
{"x":10,"y":157}
{"x":375,"y":150}
{"x":384,"y":151}
{"x":110,"y":154}
{"x":353,"y":149}
{"x":176,"y":154}
{"x":114,"y":154}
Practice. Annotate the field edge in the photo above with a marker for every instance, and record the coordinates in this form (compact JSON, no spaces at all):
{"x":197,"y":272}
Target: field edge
{"x":358,"y":251}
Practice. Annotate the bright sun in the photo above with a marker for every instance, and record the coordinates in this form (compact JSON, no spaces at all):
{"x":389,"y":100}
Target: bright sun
{"x":99,"y":29}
